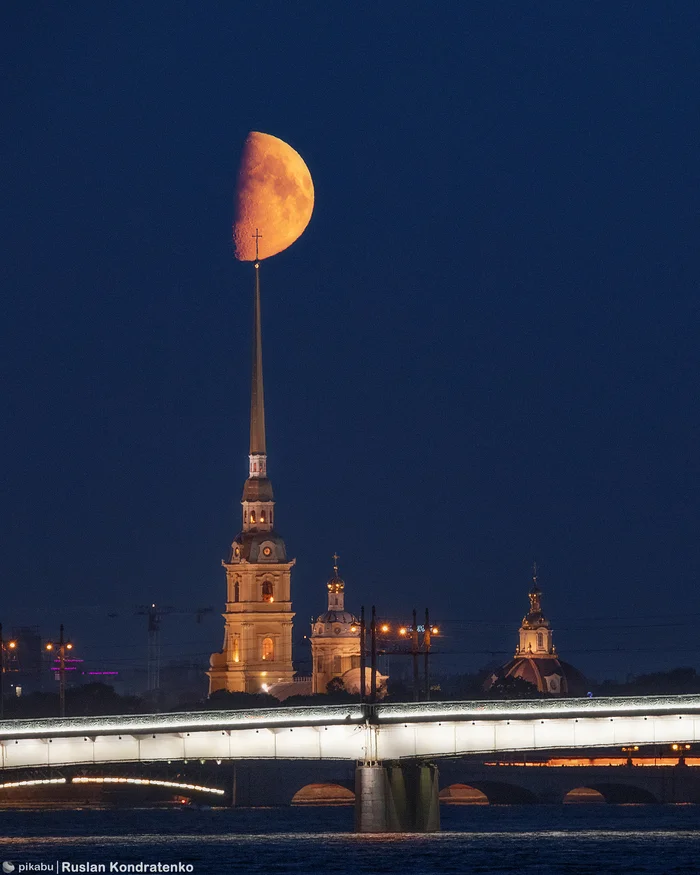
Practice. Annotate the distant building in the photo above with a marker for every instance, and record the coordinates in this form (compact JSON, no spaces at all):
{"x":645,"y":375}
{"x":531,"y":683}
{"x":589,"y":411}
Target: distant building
{"x":536,"y":659}
{"x":335,"y":638}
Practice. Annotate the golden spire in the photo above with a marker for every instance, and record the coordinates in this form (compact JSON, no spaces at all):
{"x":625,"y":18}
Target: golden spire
{"x":257,"y":401}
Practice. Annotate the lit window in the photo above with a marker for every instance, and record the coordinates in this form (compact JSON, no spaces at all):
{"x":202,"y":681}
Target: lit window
{"x":252,"y":516}
{"x":262,"y":516}
{"x":540,"y":641}
{"x":236,"y":651}
{"x":236,"y":591}
{"x":268,"y":649}
{"x":268,"y":592}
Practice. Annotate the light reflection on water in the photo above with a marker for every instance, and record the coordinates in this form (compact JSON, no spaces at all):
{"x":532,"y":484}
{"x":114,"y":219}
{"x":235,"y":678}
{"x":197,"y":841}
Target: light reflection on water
{"x":547,"y":840}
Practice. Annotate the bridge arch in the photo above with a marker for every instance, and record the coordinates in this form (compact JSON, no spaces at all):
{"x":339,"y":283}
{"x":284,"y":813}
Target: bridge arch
{"x":489,"y":792}
{"x":462,"y":794}
{"x":612,"y":793}
{"x":324,"y":793}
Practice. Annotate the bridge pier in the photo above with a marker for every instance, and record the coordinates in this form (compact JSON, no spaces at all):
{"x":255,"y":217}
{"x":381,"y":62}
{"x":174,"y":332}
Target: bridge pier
{"x":396,"y":797}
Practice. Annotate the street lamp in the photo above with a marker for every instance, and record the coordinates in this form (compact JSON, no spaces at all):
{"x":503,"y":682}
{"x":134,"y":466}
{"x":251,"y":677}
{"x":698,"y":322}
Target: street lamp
{"x":4,"y":648}
{"x":61,"y":647}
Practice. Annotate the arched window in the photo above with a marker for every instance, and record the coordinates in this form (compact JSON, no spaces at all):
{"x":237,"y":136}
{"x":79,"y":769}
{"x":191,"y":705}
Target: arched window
{"x":268,"y":649}
{"x":262,"y":516}
{"x":236,"y":591}
{"x":336,"y":665}
{"x":268,"y":591}
{"x":236,"y":649}
{"x":252,"y":516}
{"x":540,"y":641}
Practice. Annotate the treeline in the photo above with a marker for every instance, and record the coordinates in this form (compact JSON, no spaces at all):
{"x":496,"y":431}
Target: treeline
{"x":97,"y":699}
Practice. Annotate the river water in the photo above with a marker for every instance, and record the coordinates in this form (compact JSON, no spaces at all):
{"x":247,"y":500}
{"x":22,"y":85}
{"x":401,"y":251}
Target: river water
{"x":543,"y":839}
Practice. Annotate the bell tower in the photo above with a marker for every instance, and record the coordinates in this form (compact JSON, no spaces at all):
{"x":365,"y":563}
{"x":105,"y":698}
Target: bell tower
{"x":535,"y":630}
{"x":257,"y":648}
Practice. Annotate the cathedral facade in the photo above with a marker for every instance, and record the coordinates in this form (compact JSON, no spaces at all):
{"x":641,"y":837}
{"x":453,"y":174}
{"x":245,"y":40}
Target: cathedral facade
{"x":257,"y":647}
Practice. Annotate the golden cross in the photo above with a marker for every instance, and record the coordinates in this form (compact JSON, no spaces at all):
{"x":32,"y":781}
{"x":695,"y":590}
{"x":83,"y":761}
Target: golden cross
{"x":335,"y":562}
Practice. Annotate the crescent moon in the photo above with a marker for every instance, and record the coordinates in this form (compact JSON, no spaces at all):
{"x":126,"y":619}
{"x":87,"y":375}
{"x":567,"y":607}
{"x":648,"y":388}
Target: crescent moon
{"x":274,"y":195}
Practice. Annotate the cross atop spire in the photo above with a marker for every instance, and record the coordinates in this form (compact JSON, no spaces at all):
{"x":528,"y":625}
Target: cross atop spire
{"x":335,"y":563}
{"x":257,"y":236}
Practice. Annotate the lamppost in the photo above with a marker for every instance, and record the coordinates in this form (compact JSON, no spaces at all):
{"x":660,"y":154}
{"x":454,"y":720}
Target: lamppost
{"x":4,"y":647}
{"x":61,"y":648}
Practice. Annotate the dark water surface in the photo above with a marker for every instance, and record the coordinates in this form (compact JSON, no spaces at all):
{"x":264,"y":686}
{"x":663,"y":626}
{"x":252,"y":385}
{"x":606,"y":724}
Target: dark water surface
{"x":550,"y":840}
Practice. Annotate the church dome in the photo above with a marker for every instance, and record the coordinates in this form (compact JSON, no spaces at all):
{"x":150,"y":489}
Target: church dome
{"x":551,"y":676}
{"x":337,"y":617}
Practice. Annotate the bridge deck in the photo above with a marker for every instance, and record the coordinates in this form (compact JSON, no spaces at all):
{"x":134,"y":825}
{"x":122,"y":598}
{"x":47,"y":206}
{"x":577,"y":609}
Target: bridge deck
{"x":354,"y":732}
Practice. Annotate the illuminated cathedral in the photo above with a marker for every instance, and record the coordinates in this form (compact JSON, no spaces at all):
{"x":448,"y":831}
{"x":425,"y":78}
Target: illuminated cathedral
{"x":257,"y":647}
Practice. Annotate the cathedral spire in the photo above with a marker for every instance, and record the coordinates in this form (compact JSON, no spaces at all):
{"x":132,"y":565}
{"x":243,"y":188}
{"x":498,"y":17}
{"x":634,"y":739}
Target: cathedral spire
{"x":257,"y":400}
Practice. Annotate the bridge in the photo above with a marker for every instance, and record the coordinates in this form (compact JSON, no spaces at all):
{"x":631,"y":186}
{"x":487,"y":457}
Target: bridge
{"x":394,"y":745}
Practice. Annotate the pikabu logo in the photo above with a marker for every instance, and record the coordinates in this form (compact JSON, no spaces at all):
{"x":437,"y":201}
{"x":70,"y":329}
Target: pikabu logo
{"x":8,"y":867}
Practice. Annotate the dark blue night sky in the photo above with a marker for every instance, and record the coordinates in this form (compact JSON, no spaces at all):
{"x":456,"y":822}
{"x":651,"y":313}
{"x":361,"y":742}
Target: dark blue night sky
{"x":483,"y":351}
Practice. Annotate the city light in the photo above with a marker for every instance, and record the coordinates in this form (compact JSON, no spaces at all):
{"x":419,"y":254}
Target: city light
{"x":385,"y":627}
{"x":32,"y":783}
{"x":148,"y":782}
{"x":403,"y":630}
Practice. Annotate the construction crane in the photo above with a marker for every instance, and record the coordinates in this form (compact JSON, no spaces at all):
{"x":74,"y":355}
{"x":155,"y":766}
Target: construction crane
{"x":155,"y":614}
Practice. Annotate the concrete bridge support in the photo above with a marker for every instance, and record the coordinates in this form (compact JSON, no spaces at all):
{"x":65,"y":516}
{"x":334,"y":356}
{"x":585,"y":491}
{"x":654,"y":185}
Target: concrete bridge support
{"x":396,"y":797}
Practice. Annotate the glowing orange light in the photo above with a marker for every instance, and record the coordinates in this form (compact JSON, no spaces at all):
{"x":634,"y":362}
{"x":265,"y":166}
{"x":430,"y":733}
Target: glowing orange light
{"x":49,"y":646}
{"x":12,"y":645}
{"x":385,"y":628}
{"x":352,"y":629}
{"x":403,"y":630}
{"x":69,"y":646}
{"x":435,"y":630}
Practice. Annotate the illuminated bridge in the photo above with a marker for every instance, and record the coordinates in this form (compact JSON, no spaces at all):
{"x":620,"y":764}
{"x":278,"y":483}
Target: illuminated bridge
{"x":393,"y":744}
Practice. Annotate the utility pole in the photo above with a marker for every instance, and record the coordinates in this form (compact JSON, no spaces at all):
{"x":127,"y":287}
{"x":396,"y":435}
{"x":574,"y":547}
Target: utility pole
{"x":363,"y":656}
{"x":61,"y":647}
{"x":3,"y":668}
{"x":373,"y":677}
{"x":426,"y":655}
{"x":414,"y":654}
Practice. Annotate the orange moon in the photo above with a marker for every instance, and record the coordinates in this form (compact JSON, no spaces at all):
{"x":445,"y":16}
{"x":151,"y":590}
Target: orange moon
{"x":274,"y":194}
